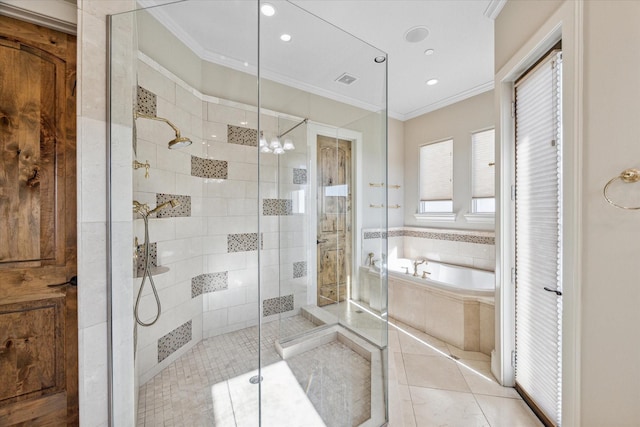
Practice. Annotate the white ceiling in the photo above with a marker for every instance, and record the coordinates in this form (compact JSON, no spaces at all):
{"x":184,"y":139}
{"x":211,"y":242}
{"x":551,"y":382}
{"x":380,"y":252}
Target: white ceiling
{"x":460,"y":32}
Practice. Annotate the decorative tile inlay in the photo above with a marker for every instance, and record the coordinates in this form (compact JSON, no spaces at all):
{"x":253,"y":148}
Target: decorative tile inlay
{"x":299,"y":269}
{"x":277,"y":207}
{"x":455,"y":237}
{"x":299,"y":176}
{"x":183,"y":209}
{"x":146,"y":102}
{"x":174,"y":340}
{"x":277,"y":305}
{"x":209,"y":282}
{"x":243,"y":242}
{"x":242,"y":136}
{"x":207,"y":168}
{"x":153,"y":258}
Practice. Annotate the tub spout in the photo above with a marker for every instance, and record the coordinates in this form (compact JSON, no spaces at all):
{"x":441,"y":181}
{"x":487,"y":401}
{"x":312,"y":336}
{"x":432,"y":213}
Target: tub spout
{"x":416,"y":263}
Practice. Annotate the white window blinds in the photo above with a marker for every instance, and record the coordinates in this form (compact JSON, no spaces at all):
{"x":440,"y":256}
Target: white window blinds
{"x":436,"y":170}
{"x":538,"y":235}
{"x":483,"y":164}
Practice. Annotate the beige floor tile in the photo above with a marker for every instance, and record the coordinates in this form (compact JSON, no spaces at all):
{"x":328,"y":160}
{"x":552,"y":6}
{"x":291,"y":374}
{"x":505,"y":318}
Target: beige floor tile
{"x":481,"y":381}
{"x":467,"y":355}
{"x":502,"y":412}
{"x":401,"y":374}
{"x":419,"y":343}
{"x":434,"y":372}
{"x":446,"y":408}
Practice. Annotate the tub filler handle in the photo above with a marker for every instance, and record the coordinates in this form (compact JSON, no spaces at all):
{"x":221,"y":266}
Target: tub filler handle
{"x":424,"y":274}
{"x":557,"y":292}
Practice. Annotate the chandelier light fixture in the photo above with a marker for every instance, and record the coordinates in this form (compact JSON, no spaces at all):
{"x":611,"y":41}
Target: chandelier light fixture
{"x":275,"y":146}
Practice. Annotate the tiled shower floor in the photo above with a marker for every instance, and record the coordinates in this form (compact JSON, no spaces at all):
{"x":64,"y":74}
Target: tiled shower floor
{"x":180,"y":395}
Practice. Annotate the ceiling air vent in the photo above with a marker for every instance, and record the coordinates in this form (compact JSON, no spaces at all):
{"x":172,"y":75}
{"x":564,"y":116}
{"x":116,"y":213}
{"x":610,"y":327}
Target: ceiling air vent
{"x":346,"y":79}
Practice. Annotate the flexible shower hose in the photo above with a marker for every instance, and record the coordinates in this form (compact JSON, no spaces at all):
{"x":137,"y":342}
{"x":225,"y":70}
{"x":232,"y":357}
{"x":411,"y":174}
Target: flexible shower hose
{"x":146,"y":273}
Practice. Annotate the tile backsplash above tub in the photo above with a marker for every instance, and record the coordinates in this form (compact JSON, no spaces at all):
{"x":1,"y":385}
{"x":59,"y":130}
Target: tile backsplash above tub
{"x":460,"y":247}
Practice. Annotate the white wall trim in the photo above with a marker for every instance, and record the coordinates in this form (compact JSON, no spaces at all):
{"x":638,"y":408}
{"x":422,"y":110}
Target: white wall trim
{"x":485,"y":87}
{"x":494,"y":8}
{"x":55,"y":14}
{"x":436,"y":217}
{"x":565,"y":23}
{"x":313,"y":130}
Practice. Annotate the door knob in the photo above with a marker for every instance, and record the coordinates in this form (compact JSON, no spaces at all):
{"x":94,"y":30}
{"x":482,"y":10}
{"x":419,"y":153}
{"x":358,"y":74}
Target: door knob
{"x":322,"y":241}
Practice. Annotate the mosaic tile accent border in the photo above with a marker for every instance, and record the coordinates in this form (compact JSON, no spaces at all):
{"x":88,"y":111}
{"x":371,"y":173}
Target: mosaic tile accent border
{"x":183,"y":209}
{"x":207,"y":168}
{"x":242,"y":136}
{"x":435,"y":235}
{"x":243,"y":242}
{"x":209,"y":282}
{"x":153,"y":257}
{"x":299,"y":269}
{"x":174,"y":340}
{"x":377,"y":234}
{"x":277,"y":305}
{"x":277,"y":207}
{"x":299,"y":176}
{"x":146,"y":101}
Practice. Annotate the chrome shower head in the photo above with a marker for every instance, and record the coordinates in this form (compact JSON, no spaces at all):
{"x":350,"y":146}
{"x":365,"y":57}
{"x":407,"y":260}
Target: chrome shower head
{"x":178,"y":142}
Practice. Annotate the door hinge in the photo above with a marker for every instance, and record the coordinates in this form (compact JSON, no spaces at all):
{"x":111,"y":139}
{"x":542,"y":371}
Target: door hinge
{"x":513,"y":192}
{"x":513,"y":276}
{"x":513,"y":358}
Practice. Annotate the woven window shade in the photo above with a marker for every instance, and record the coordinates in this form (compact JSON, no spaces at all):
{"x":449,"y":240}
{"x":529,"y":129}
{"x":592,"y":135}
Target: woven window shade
{"x":483,"y":164}
{"x":436,"y":170}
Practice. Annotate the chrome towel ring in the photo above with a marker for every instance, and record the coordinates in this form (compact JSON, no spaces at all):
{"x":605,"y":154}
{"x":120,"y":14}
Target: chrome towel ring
{"x":627,"y":176}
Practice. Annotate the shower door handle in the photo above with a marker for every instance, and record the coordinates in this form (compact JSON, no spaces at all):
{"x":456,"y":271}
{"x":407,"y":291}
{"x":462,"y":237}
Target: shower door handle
{"x":557,"y":292}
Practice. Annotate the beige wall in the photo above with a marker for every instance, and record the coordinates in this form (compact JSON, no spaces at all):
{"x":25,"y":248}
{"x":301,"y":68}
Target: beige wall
{"x":607,"y":348}
{"x":511,"y":32}
{"x":456,"y":121}
{"x":395,"y":172}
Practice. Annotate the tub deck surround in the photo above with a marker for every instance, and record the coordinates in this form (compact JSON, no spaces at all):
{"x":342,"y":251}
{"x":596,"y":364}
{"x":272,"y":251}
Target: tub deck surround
{"x":454,"y":315}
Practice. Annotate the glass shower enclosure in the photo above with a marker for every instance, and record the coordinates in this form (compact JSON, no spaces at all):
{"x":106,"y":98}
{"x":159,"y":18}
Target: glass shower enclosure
{"x":247,"y":159}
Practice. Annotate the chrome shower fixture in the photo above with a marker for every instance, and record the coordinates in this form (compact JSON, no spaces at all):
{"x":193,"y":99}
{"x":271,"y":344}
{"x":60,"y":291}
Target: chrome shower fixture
{"x":178,"y":142}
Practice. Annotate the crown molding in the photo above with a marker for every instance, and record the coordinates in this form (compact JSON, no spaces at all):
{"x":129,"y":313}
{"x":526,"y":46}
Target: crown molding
{"x":58,"y":15}
{"x":494,"y":8}
{"x":450,"y":100}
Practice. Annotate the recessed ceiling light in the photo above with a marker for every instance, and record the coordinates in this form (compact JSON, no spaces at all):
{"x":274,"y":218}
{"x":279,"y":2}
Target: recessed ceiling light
{"x":432,"y":82}
{"x":429,"y":52}
{"x":416,"y":34}
{"x":379,"y":59}
{"x":285,"y":37}
{"x":212,"y":136}
{"x":267,"y":9}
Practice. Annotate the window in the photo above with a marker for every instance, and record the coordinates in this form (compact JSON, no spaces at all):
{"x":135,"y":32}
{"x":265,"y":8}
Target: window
{"x":483,"y":172}
{"x":436,"y":183}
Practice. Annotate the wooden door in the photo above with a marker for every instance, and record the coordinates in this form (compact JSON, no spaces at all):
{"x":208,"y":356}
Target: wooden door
{"x":38,"y":323}
{"x":334,"y":219}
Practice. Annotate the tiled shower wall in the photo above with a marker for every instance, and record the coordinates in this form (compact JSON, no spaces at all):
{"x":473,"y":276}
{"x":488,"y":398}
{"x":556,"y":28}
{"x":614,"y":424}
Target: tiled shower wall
{"x":460,"y":247}
{"x":210,"y":241}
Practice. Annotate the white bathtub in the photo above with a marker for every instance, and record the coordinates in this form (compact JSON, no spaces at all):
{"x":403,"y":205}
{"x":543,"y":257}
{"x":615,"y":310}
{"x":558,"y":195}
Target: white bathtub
{"x":454,"y":304}
{"x":452,"y":278}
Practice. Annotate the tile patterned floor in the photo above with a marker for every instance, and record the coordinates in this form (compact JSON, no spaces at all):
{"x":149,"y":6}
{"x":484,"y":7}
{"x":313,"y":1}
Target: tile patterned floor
{"x":428,"y":387}
{"x":180,"y":395}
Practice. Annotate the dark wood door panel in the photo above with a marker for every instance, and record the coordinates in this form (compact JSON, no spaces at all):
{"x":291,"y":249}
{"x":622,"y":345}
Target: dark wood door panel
{"x":38,"y":323}
{"x":31,"y":349}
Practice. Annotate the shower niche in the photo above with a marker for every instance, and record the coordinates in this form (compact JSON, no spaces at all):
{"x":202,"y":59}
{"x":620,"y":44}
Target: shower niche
{"x":236,"y":188}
